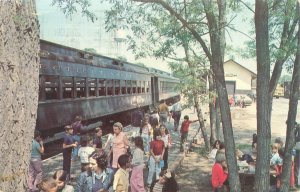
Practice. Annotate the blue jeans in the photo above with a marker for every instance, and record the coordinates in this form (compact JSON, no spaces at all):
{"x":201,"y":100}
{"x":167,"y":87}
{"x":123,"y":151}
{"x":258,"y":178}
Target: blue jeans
{"x":153,"y":168}
{"x":146,"y":141}
{"x":76,"y":138}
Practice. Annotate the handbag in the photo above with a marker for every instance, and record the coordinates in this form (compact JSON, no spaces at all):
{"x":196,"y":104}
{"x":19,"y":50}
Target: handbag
{"x":161,"y":163}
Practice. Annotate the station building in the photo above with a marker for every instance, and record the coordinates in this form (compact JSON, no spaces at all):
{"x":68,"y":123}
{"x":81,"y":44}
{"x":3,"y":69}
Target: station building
{"x":239,"y":79}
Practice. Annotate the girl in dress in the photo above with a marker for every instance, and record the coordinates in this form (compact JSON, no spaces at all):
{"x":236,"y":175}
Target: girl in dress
{"x":137,"y":178}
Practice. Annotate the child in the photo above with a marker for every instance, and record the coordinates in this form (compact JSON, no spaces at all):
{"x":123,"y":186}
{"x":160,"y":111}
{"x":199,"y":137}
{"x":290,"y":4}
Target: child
{"x":137,"y":179}
{"x":145,"y":131}
{"x":219,"y":172}
{"x":275,"y":158}
{"x":166,"y":183}
{"x":84,"y":152}
{"x":185,"y":130}
{"x":47,"y":185}
{"x":68,"y":145}
{"x":157,"y":150}
{"x":61,"y":179}
{"x":216,"y":146}
{"x":166,"y":138}
{"x":121,"y":178}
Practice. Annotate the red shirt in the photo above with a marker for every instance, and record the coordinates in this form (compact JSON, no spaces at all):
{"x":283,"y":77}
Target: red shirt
{"x":185,"y":126}
{"x":218,"y":176}
{"x":157,"y":147}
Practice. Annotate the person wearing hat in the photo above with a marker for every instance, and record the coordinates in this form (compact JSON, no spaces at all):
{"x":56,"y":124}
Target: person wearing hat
{"x":68,"y":145}
{"x":120,"y":144}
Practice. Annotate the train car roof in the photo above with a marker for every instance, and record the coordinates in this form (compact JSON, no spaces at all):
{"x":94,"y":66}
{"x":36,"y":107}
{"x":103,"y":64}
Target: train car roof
{"x":160,"y":73}
{"x":88,"y":58}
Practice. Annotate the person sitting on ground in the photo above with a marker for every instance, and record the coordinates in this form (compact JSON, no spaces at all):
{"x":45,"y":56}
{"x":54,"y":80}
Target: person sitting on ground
{"x":84,"y":152}
{"x":185,"y":130}
{"x":48,"y":185}
{"x":279,"y":141}
{"x":121,"y":178}
{"x":219,"y":172}
{"x":165,"y":183}
{"x":279,"y":171}
{"x":61,"y":180}
{"x":98,"y":178}
{"x":275,"y":157}
{"x":216,"y":146}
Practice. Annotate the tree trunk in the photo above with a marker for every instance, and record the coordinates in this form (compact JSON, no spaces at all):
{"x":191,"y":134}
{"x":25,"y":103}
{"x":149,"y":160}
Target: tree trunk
{"x":262,"y":172}
{"x":19,"y":71}
{"x":293,"y":103}
{"x":212,"y":111}
{"x":217,"y":42}
{"x":202,"y":123}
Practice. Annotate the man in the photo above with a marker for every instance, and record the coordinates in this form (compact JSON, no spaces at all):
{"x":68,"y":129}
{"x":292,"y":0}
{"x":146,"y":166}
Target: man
{"x":68,"y":145}
{"x":176,"y":110}
{"x":35,"y":166}
{"x":77,"y":128}
{"x":163,"y":112}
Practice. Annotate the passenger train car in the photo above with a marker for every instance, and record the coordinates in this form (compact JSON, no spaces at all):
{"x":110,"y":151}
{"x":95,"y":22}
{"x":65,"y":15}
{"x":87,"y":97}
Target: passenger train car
{"x":74,"y":82}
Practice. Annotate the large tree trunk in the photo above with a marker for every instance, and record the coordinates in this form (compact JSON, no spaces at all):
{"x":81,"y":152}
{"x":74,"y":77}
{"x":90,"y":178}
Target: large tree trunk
{"x":19,"y":70}
{"x":290,"y":132}
{"x":262,"y":176}
{"x":218,"y":122}
{"x":217,"y":40}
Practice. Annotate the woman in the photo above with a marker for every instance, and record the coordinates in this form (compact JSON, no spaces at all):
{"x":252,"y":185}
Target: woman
{"x":216,"y":146}
{"x":61,"y":178}
{"x":99,"y":178}
{"x":120,"y":144}
{"x":157,"y":150}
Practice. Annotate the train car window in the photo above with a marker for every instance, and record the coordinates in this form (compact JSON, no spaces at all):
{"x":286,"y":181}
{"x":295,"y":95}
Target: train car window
{"x":123,"y":87}
{"x":139,"y":89}
{"x":161,"y":86}
{"x":133,"y":83}
{"x":92,"y":87}
{"x":102,"y":87}
{"x":67,"y":87}
{"x":51,"y":87}
{"x":80,"y":87}
{"x":143,"y":86}
{"x":110,"y":87}
{"x":117,"y":87}
{"x":129,"y":89}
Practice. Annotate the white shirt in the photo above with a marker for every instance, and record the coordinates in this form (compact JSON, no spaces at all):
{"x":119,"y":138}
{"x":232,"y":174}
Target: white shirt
{"x":84,"y":153}
{"x":138,"y":157}
{"x":176,"y":107}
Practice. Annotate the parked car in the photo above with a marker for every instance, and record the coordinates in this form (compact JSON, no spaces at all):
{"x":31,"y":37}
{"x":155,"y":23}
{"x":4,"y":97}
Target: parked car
{"x":245,"y":98}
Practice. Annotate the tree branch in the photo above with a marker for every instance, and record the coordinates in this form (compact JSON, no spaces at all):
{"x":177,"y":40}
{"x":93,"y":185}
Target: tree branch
{"x":183,"y":22}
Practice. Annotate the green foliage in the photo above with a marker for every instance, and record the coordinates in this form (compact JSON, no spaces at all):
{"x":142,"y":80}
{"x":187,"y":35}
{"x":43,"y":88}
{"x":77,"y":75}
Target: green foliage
{"x":284,"y":78}
{"x":91,"y":50}
{"x":70,"y":7}
{"x":121,"y":58}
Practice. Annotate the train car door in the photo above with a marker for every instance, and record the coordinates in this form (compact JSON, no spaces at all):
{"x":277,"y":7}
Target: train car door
{"x":154,"y":89}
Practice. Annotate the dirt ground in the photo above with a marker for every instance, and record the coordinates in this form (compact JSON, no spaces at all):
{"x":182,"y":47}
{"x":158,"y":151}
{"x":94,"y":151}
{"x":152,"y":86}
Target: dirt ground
{"x":194,"y":174}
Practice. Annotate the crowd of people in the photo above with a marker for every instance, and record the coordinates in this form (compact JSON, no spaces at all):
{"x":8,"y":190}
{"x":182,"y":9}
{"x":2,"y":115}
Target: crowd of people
{"x":247,"y":161}
{"x":114,"y":166}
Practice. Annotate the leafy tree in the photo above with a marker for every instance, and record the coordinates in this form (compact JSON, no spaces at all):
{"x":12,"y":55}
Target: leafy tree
{"x":19,"y":72}
{"x":284,"y":78}
{"x":148,"y":20}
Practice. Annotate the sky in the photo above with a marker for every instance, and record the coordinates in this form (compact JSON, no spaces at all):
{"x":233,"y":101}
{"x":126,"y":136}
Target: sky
{"x":80,"y":33}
